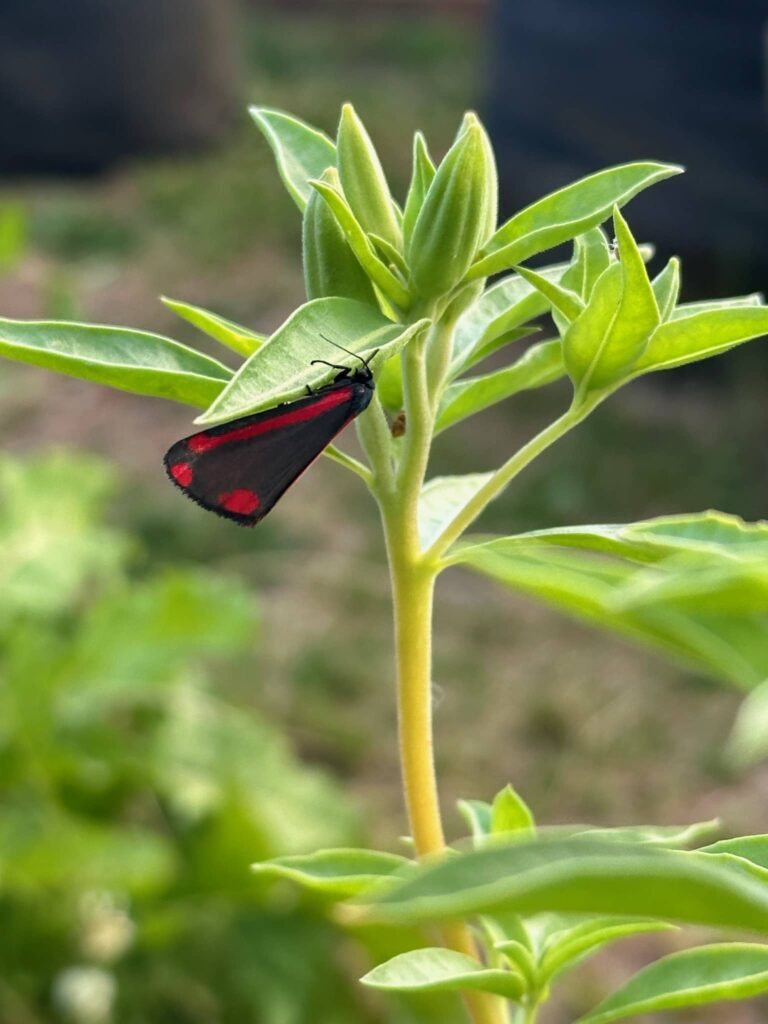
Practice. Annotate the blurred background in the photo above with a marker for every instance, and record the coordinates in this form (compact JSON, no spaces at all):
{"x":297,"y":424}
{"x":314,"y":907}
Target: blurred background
{"x":179,"y":697}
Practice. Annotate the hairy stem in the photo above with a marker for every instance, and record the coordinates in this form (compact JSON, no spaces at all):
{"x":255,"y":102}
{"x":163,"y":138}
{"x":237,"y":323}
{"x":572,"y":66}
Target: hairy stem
{"x":412,"y":590}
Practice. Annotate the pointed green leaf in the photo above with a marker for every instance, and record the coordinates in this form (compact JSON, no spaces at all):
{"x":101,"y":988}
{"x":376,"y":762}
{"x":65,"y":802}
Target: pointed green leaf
{"x":673,"y":837}
{"x":442,"y":970}
{"x":441,"y":499}
{"x":477,"y":814}
{"x":541,"y":364}
{"x":666,"y":288}
{"x":421,"y":178}
{"x":389,"y":253}
{"x":137,"y":361}
{"x":701,"y":335}
{"x":340,"y":873}
{"x":580,"y":876}
{"x":751,"y":848}
{"x":301,"y":152}
{"x":240,"y":339}
{"x":689,"y":308}
{"x":362,"y":179}
{"x":282,"y":369}
{"x":510,"y":813}
{"x":692,"y":977}
{"x":566,"y":213}
{"x":571,"y":946}
{"x":330,"y":266}
{"x":566,"y":302}
{"x":592,"y":255}
{"x":362,"y":246}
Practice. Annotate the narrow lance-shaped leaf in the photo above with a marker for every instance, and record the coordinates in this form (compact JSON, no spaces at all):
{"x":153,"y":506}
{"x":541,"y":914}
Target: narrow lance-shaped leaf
{"x":442,"y":970}
{"x":701,"y":335}
{"x":362,"y":179}
{"x":592,"y":255}
{"x":362,"y":247}
{"x":737,"y":301}
{"x":581,"y":876}
{"x":137,"y":361}
{"x":564,"y":301}
{"x":666,"y":288}
{"x":541,"y":364}
{"x":566,"y":213}
{"x":330,"y":266}
{"x":692,"y":977}
{"x":282,"y":369}
{"x":421,"y":178}
{"x":340,"y":872}
{"x":301,"y":152}
{"x":569,"y":948}
{"x":240,"y":339}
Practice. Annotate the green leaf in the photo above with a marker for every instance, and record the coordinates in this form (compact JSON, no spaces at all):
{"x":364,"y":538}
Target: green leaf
{"x":421,"y":179}
{"x":673,"y":837}
{"x":388,"y":252}
{"x":502,"y":308}
{"x":738,"y":301}
{"x":541,"y":364}
{"x":510,"y":813}
{"x":340,"y":873}
{"x":564,"y":301}
{"x":666,"y":288}
{"x":580,"y":876}
{"x":701,"y":335}
{"x":137,"y":361}
{"x":606,"y":340}
{"x":477,"y":814}
{"x":282,"y":369}
{"x":362,"y":246}
{"x":592,"y":255}
{"x":571,"y":946}
{"x":441,"y":499}
{"x":301,"y":152}
{"x":362,"y":179}
{"x":442,"y":970}
{"x":566,"y":213}
{"x":330,"y":266}
{"x":692,"y":977}
{"x":239,"y":339}
{"x":751,"y":848}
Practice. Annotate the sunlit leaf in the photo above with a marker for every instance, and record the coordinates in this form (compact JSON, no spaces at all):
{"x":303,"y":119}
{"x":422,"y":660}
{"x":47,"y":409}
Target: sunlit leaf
{"x":301,"y":152}
{"x":341,"y":873}
{"x":239,"y":339}
{"x":442,"y":970}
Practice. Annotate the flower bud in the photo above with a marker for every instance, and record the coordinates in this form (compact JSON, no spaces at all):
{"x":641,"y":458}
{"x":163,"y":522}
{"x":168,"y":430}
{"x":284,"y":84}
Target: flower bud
{"x":363,"y":181}
{"x":330,"y":266}
{"x":455,"y":216}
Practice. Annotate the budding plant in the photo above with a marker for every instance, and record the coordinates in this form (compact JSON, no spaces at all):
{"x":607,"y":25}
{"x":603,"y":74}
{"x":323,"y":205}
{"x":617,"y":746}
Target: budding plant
{"x":508,"y":910}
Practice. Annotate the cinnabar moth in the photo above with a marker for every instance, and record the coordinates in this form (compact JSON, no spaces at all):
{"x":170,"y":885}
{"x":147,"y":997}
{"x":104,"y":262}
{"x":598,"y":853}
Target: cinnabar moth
{"x":241,"y":469}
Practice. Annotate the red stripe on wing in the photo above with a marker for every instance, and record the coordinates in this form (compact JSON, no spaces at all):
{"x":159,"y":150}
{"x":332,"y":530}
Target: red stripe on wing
{"x":205,"y":442}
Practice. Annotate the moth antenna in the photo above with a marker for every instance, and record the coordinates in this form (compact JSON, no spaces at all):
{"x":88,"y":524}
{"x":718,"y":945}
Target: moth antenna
{"x":355,"y":355}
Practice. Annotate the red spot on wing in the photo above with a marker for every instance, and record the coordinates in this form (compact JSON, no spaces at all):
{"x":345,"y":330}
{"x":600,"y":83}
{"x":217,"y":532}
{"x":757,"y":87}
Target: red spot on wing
{"x":243,"y":502}
{"x":204,"y":442}
{"x":181,"y":473}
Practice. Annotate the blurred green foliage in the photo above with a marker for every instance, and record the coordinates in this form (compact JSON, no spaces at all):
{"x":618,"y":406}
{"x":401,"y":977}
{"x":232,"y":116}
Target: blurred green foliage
{"x":132,"y":797}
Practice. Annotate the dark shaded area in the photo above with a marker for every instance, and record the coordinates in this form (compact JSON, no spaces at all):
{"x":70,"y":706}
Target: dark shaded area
{"x":578,"y":87}
{"x":86,"y":83}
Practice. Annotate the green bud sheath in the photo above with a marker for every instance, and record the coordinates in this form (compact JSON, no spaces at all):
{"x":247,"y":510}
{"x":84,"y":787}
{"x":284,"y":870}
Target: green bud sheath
{"x":363,"y":181}
{"x":330,"y":266}
{"x":421,"y":179}
{"x":454,"y":217}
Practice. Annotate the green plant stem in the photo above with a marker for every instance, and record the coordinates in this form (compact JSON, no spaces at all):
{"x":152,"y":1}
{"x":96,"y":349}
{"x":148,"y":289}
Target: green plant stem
{"x":413,"y":584}
{"x":376,"y":441}
{"x":505,"y":474}
{"x":350,"y":462}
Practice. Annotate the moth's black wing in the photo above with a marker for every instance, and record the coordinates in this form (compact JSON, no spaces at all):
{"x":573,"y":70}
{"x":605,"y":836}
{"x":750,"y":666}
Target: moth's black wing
{"x":241,"y":469}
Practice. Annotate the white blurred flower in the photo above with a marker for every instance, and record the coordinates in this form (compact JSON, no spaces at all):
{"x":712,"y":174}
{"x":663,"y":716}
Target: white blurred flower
{"x":85,"y":995}
{"x":107,"y":928}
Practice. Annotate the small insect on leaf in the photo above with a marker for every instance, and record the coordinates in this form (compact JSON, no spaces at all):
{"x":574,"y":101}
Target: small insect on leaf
{"x":241,"y":469}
